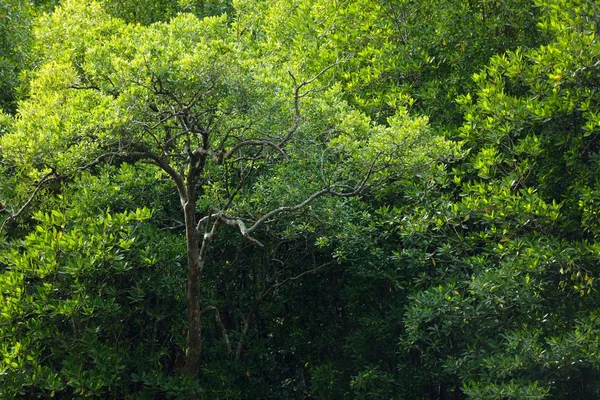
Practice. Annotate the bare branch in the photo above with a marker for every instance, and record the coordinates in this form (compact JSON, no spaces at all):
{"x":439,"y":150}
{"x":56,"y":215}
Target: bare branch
{"x":361,"y":185}
{"x":311,"y":91}
{"x":242,"y":226}
{"x":242,"y":179}
{"x":100,"y":158}
{"x":227,"y":220}
{"x":283,"y":209}
{"x":207,"y":238}
{"x":220,"y":325}
{"x":158,"y":88}
{"x":78,"y":87}
{"x":140,"y":151}
{"x":246,"y":232}
{"x":221,"y":145}
{"x":205,"y":219}
{"x":162,"y":120}
{"x":145,"y":152}
{"x":296,"y":277}
{"x":172,"y":139}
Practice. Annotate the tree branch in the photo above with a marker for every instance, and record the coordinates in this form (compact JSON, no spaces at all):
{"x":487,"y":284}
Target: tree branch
{"x":298,"y":96}
{"x":283,"y":209}
{"x":145,"y":152}
{"x":220,"y":325}
{"x":248,"y":318}
{"x":242,"y":226}
{"x":245,"y":231}
{"x":262,"y":143}
{"x":47,"y":177}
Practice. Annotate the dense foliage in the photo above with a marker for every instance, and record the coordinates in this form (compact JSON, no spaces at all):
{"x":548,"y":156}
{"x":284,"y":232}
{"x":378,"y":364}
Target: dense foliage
{"x":299,"y":199}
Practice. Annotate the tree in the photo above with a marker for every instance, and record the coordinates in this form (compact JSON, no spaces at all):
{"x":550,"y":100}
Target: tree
{"x":15,"y":36}
{"x":505,"y":305}
{"x":150,"y":11}
{"x":415,"y":54}
{"x":229,"y":131}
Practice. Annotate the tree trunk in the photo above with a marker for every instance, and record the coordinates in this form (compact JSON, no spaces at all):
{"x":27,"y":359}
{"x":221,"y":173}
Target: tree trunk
{"x":193,"y":349}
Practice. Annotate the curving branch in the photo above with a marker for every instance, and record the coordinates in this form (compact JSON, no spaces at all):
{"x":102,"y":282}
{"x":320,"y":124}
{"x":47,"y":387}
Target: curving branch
{"x":314,"y":78}
{"x":144,"y":152}
{"x":261,"y":143}
{"x":284,"y":209}
{"x":220,"y":325}
{"x":46,"y":178}
{"x":246,"y":232}
{"x":328,"y":190}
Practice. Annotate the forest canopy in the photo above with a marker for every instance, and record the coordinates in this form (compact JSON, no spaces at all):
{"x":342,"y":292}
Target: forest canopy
{"x":299,"y":199}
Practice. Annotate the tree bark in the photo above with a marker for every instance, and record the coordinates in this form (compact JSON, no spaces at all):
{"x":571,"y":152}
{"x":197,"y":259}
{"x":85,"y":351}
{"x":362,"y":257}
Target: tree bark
{"x":193,"y":350}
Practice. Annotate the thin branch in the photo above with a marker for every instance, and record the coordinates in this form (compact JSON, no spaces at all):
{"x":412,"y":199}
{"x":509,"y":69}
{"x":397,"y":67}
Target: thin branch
{"x":140,"y":151}
{"x":317,"y":76}
{"x":158,"y":88}
{"x":78,"y":87}
{"x":145,"y":152}
{"x":101,"y":158}
{"x":248,"y":318}
{"x":242,"y":179}
{"x":253,"y":159}
{"x":361,"y":186}
{"x":283,"y":209}
{"x":47,"y":177}
{"x":294,"y":278}
{"x":311,"y":91}
{"x":262,"y":143}
{"x":220,"y":324}
{"x":206,"y":219}
{"x":148,"y":127}
{"x":173,"y":138}
{"x":177,"y":226}
{"x":208,"y":237}
{"x":298,"y":96}
{"x":244,"y":128}
{"x":242,"y":226}
{"x":227,"y":220}
{"x":231,"y":221}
